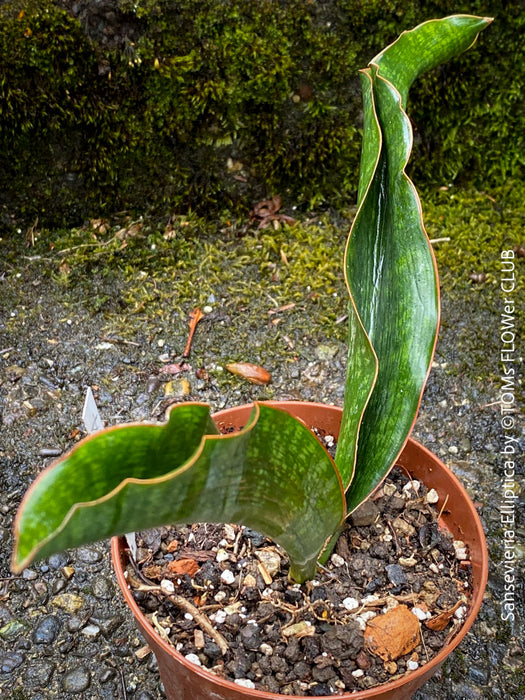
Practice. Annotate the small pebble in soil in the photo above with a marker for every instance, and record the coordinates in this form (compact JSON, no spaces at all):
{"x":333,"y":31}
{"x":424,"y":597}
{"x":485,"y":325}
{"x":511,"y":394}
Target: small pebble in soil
{"x":420,"y":614}
{"x":460,"y":612}
{"x":395,"y":574}
{"x":460,"y":550}
{"x":337,"y":560}
{"x":76,"y":680}
{"x":46,"y":630}
{"x":194,"y":659}
{"x":228,"y":576}
{"x":432,"y":496}
{"x":10,"y":660}
{"x":167,"y":586}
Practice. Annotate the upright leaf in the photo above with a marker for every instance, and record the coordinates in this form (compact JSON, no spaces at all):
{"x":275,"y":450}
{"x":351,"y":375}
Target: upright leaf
{"x":390,"y":267}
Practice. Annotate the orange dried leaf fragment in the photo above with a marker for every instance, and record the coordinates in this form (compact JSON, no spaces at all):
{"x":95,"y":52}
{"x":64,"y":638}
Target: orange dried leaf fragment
{"x":393,"y":634}
{"x":183,"y":566}
{"x":439,"y":622}
{"x":253,"y":373}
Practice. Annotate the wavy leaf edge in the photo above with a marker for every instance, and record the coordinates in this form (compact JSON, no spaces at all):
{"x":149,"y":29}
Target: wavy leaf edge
{"x":18,"y":564}
{"x":371,"y":72}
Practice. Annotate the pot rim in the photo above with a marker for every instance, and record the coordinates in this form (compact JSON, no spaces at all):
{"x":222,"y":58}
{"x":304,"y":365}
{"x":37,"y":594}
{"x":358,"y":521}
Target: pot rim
{"x":475,"y":604}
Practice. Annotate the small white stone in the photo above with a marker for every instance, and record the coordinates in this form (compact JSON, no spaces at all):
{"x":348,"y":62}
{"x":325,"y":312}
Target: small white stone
{"x":460,"y":550}
{"x":228,"y":576}
{"x":420,"y":614}
{"x":91,"y":631}
{"x":460,"y":612}
{"x":207,"y":309}
{"x":412,"y":665}
{"x":350,"y":603}
{"x":453,"y":450}
{"x":432,"y":496}
{"x":412,"y":486}
{"x":368,"y":615}
{"x":219,"y":597}
{"x":194,"y":659}
{"x":222,"y":555}
{"x":358,"y":673}
{"x":337,"y":560}
{"x":188,"y":616}
{"x":361,"y":623}
{"x":434,"y":568}
{"x":219,"y":617}
{"x":389,"y":489}
{"x":387,"y":537}
{"x":266,"y":649}
{"x":245,"y":683}
{"x":229,"y":532}
{"x":167,"y":586}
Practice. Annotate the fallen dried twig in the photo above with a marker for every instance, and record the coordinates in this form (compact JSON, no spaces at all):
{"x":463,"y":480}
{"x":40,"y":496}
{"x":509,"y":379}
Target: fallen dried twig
{"x":195,"y":316}
{"x":200,"y":618}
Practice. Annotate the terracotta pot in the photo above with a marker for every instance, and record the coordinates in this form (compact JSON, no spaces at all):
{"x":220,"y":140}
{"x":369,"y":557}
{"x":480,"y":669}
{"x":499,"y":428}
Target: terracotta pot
{"x":185,"y":681}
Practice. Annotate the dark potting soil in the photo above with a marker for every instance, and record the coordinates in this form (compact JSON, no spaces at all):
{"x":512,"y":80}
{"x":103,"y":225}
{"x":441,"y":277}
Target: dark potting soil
{"x":220,"y":595}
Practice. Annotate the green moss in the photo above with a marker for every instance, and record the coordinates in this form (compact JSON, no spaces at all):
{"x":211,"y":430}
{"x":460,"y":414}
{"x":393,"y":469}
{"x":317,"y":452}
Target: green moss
{"x":479,"y":226}
{"x":149,"y":277}
{"x":211,"y":105}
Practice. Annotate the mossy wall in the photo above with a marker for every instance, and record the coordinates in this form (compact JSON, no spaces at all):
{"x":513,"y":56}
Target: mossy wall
{"x":205,"y":104}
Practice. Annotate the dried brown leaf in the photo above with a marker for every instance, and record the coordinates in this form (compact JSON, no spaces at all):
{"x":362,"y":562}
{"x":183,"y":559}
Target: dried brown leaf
{"x":253,"y":373}
{"x":393,"y":634}
{"x":439,"y":622}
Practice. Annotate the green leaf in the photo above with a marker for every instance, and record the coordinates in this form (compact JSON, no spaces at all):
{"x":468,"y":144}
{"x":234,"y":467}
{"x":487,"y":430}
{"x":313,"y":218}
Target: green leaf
{"x":390,"y":267}
{"x":273,"y":476}
{"x":425,"y":47}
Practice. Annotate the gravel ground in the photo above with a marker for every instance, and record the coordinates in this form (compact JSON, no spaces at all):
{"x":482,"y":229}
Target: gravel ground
{"x":64,"y":631}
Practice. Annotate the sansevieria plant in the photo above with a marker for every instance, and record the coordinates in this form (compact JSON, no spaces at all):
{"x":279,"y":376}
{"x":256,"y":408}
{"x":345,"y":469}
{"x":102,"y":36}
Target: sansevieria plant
{"x":274,"y":475}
